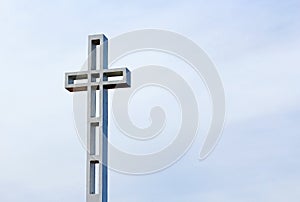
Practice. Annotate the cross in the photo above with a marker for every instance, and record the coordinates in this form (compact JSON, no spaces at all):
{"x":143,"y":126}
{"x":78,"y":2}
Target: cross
{"x":96,"y":81}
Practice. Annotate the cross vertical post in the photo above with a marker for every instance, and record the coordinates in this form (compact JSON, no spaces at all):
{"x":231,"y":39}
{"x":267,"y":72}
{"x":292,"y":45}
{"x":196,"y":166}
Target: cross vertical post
{"x":97,"y":188}
{"x":96,"y":81}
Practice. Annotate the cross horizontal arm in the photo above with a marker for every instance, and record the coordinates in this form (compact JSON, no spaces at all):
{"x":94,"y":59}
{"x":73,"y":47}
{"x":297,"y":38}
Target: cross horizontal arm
{"x":118,"y":73}
{"x":76,"y":81}
{"x":79,"y":81}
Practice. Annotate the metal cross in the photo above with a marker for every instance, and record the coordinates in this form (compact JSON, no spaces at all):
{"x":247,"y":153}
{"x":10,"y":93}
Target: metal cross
{"x":96,"y":81}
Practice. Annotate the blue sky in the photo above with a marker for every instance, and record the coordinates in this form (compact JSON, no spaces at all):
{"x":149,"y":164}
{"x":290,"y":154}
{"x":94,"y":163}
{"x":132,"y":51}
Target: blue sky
{"x":255,"y":46}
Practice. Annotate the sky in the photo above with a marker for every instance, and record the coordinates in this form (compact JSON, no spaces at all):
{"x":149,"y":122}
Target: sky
{"x":255,"y":47}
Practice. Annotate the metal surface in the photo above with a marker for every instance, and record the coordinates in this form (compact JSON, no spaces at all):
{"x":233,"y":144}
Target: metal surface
{"x":96,"y":81}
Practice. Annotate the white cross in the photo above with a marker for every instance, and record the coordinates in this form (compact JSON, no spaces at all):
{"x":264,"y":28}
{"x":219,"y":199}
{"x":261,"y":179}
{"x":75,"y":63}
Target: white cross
{"x":96,"y":81}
